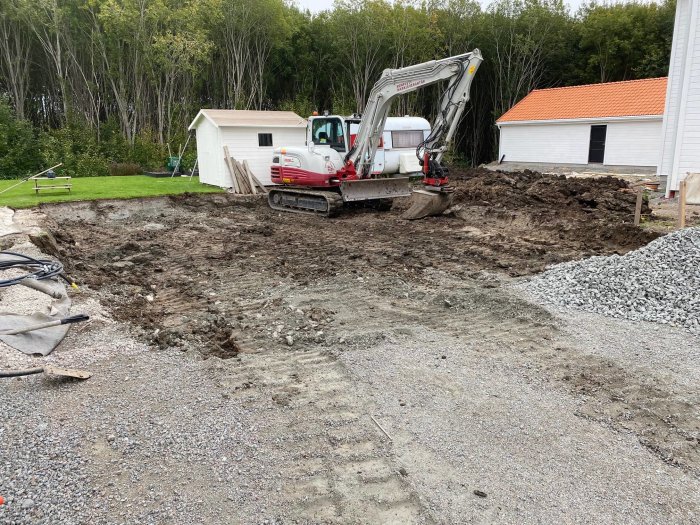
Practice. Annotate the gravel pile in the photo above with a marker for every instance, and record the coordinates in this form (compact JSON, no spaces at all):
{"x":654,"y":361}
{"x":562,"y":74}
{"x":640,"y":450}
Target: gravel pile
{"x":659,"y":282}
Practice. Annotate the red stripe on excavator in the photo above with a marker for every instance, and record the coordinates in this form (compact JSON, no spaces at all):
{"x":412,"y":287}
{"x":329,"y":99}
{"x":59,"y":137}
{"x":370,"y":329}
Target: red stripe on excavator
{"x":298,"y":176}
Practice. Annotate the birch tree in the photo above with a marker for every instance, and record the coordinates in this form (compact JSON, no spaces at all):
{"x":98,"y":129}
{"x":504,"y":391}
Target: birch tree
{"x":15,"y":48}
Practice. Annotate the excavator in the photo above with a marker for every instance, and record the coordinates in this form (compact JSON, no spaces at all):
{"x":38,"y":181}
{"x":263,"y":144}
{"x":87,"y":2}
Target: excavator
{"x":335,"y":168}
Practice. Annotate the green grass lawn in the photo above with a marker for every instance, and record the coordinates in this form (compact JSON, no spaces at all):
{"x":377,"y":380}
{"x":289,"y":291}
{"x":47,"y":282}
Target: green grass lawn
{"x":92,"y":188}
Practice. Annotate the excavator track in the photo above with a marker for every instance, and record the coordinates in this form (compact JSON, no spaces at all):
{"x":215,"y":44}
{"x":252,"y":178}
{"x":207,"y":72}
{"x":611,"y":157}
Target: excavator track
{"x":297,"y":200}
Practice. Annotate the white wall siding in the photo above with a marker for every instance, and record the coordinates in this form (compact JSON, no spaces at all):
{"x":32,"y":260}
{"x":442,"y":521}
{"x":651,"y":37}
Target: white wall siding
{"x":243,"y":144}
{"x":627,"y":143}
{"x":633,"y":143}
{"x":681,"y":153}
{"x":674,"y":89}
{"x":547,"y":143}
{"x":209,"y":154}
{"x":689,"y":154}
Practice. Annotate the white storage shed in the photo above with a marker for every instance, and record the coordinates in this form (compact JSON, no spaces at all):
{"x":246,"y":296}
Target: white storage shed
{"x":249,"y":135}
{"x":680,"y":153}
{"x":612,"y":124}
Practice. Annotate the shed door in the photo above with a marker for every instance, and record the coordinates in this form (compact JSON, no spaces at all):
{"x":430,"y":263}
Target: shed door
{"x":596,"y":150}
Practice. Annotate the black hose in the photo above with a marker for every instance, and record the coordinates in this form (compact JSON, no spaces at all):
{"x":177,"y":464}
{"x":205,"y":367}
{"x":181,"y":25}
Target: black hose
{"x":38,"y":268}
{"x":18,"y":373}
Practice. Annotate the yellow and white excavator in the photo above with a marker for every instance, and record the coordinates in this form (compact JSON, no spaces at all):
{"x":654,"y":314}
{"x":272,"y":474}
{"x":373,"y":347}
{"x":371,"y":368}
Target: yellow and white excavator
{"x":333,"y":169}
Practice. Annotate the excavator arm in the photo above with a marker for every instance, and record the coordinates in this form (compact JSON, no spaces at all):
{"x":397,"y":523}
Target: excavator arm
{"x":459,"y":70}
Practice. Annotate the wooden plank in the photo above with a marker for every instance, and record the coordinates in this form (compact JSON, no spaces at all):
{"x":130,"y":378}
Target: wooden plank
{"x":638,"y":207}
{"x":242,"y":178}
{"x":231,"y":171}
{"x":249,"y":179}
{"x":253,"y":177}
{"x":239,"y":176}
{"x":681,"y":204}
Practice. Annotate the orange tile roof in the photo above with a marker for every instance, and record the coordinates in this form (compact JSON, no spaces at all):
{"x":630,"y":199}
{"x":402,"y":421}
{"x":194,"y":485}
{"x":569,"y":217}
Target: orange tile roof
{"x":612,"y":99}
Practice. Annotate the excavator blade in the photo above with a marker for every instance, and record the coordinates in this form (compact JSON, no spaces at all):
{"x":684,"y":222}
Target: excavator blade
{"x":425,"y":203}
{"x":369,"y":189}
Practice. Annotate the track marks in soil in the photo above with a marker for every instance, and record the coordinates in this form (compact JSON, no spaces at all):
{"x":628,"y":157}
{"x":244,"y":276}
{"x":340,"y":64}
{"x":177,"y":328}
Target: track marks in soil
{"x":340,"y":468}
{"x":664,"y":417}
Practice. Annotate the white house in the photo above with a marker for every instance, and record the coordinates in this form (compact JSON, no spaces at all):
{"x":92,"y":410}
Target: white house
{"x":249,"y":135}
{"x":612,"y":124}
{"x":680,"y":153}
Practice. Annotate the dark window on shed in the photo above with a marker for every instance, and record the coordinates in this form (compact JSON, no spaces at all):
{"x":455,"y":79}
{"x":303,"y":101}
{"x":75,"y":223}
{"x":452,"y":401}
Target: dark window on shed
{"x":264,"y":139}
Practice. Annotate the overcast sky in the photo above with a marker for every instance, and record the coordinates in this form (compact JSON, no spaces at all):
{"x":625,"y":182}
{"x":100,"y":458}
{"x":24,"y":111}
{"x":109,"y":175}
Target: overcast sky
{"x":319,"y":5}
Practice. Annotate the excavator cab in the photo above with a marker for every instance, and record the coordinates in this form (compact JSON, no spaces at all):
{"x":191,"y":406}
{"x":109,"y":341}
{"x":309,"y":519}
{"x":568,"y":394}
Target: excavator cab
{"x":328,"y":131}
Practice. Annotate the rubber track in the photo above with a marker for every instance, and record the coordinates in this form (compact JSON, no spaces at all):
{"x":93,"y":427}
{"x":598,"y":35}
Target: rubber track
{"x":334,"y":200}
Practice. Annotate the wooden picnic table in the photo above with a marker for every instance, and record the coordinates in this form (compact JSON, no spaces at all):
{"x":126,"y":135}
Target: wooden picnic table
{"x":61,"y":186}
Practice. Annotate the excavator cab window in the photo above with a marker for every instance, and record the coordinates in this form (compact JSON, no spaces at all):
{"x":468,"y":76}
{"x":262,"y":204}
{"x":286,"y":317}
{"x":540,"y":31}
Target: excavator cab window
{"x":329,"y":132}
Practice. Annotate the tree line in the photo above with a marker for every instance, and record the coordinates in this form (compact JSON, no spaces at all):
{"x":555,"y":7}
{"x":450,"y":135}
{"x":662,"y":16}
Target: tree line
{"x":102,"y":83}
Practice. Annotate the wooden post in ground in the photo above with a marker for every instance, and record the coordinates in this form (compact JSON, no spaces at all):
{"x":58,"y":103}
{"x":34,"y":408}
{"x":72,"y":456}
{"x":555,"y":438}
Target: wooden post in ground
{"x":638,"y":207}
{"x":681,"y":204}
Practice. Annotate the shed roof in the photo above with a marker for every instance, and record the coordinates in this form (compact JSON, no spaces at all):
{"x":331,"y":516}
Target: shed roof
{"x":612,"y":99}
{"x":249,"y":118}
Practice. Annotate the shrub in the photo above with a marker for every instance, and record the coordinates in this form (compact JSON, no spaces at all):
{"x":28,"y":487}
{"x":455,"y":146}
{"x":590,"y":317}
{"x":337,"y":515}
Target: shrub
{"x":75,"y":145}
{"x":18,"y":146}
{"x":148,"y":152}
{"x":124,"y":168}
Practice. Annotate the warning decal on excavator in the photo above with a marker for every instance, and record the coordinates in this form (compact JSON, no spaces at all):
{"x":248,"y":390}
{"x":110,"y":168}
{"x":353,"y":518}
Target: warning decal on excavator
{"x":472,"y":69}
{"x":286,"y":180}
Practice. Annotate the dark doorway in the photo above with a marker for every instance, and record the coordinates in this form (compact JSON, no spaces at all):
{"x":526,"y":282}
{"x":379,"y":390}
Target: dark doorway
{"x":596,"y":150}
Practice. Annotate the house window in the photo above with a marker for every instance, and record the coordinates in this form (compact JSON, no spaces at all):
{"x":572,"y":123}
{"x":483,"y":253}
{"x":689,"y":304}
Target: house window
{"x":264,"y":139}
{"x":406,"y":139}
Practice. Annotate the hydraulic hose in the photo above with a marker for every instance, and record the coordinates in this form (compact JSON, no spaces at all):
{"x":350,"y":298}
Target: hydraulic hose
{"x":38,"y":269}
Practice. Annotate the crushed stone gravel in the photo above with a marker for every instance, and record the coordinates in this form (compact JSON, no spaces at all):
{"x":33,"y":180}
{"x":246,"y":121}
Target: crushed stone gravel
{"x":658,"y":282}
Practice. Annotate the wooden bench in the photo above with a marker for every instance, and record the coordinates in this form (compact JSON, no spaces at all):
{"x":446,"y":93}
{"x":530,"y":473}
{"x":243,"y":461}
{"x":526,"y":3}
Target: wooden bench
{"x":61,"y":186}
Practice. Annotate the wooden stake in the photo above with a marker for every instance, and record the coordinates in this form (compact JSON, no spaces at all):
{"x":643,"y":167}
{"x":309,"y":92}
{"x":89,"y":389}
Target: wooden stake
{"x":638,"y":207}
{"x":253,"y":177}
{"x":681,"y":204}
{"x":231,"y":171}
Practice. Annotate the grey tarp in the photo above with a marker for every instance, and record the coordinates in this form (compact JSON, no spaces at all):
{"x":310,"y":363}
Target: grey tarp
{"x":42,"y":341}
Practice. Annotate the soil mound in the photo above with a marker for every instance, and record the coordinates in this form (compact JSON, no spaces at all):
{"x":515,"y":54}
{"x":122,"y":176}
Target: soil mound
{"x":533,"y":191}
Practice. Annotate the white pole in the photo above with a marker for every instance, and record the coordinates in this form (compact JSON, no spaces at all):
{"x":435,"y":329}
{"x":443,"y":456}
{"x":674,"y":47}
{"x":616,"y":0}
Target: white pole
{"x":30,"y":178}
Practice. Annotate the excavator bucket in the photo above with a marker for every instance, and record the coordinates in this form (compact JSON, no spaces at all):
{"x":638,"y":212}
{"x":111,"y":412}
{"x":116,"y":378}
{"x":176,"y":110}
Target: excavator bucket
{"x":425,"y":203}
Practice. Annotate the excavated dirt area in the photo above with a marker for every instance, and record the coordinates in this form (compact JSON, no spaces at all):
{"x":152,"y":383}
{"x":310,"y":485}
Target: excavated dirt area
{"x":181,"y":251}
{"x":366,"y":369}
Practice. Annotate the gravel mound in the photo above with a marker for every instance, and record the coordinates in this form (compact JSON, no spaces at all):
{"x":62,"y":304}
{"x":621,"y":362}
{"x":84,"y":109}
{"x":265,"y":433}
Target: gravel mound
{"x":659,"y":282}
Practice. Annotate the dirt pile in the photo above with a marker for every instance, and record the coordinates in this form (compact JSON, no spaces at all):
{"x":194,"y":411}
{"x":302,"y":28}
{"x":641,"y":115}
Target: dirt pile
{"x":533,"y":191}
{"x":598,"y":213}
